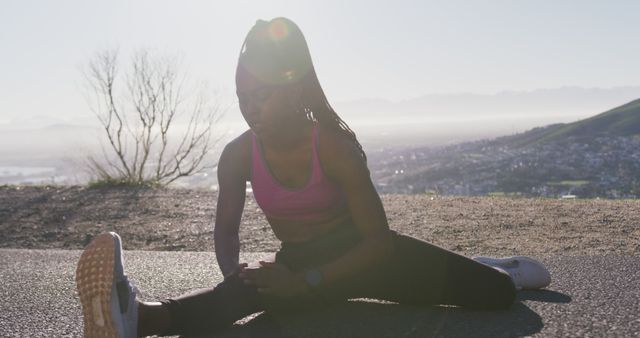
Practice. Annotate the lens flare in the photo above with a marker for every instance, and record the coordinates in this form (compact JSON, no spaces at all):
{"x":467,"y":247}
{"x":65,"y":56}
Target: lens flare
{"x":276,"y":53}
{"x":278,"y":30}
{"x":289,"y":74}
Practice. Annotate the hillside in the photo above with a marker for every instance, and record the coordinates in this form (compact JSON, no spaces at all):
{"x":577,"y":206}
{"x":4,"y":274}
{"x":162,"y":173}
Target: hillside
{"x":622,"y":121}
{"x":594,"y":157}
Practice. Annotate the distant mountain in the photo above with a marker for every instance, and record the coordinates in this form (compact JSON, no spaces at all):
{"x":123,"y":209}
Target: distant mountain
{"x":565,"y":104}
{"x":439,"y":119}
{"x":594,"y":157}
{"x":54,"y":141}
{"x":621,"y":121}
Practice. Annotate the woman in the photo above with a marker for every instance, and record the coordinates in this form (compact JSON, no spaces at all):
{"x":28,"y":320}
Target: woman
{"x":309,"y":175}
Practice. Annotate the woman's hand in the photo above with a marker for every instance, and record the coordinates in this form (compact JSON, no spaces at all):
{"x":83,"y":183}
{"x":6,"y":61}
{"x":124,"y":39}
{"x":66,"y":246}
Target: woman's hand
{"x":274,"y":279}
{"x":236,"y":270}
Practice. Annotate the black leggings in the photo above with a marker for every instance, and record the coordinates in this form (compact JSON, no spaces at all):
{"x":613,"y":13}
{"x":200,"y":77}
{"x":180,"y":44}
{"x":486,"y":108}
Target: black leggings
{"x":417,"y":273}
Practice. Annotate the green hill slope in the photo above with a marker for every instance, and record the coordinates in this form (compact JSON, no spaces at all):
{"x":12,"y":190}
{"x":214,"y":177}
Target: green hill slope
{"x":620,"y":121}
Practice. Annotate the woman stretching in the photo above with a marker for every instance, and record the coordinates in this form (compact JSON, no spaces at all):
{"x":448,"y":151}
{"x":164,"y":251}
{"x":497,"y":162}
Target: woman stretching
{"x":309,"y":175}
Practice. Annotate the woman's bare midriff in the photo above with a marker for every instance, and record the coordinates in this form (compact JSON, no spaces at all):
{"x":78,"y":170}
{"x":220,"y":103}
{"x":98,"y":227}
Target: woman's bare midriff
{"x":302,"y":231}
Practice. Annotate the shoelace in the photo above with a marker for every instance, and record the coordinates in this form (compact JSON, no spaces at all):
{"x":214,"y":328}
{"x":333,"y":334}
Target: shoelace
{"x":512,"y":268}
{"x":510,"y":264}
{"x":137,"y":290}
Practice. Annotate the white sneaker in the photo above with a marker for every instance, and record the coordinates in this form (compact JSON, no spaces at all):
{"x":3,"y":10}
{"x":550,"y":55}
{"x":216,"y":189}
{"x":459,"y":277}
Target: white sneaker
{"x":527,"y":273}
{"x":108,"y":299}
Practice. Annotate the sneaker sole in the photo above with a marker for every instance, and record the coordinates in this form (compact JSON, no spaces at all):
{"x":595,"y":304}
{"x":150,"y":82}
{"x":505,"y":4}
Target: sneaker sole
{"x":94,"y":278}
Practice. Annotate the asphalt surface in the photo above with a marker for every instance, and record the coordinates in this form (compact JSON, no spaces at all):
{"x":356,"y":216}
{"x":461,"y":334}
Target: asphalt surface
{"x":589,"y":297}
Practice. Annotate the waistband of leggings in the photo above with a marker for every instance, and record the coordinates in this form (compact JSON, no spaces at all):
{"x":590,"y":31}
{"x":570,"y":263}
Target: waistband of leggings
{"x":346,"y":232}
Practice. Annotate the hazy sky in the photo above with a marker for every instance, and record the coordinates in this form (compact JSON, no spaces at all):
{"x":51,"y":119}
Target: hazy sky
{"x":393,"y":49}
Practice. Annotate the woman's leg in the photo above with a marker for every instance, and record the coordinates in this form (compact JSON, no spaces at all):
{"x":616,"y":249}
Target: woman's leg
{"x":210,"y":310}
{"x":153,"y":319}
{"x":417,"y":273}
{"x":421,"y":273}
{"x":213,"y":309}
{"x":437,"y":275}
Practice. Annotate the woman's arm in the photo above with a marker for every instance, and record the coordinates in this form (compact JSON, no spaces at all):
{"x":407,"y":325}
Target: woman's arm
{"x":342,"y":163}
{"x":231,"y":199}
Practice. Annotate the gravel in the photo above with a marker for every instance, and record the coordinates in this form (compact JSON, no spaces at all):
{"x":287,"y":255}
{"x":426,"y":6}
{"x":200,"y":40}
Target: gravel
{"x":50,"y":217}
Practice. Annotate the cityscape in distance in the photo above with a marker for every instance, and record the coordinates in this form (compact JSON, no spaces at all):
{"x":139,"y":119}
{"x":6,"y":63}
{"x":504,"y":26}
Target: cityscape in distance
{"x":594,"y":157}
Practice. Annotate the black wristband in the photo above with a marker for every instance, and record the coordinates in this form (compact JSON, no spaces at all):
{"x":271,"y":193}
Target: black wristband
{"x":313,"y":278}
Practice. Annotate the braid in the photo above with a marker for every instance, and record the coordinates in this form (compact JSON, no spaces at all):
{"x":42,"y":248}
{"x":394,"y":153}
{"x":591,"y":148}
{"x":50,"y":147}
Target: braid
{"x":324,"y":114}
{"x":336,"y":122}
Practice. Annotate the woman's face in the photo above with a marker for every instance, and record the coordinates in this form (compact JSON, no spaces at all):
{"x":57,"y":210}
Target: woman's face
{"x":267,"y":109}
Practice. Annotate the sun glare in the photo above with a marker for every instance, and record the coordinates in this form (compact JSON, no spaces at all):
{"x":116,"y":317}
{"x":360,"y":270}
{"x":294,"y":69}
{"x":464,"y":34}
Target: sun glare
{"x":278,"y":30}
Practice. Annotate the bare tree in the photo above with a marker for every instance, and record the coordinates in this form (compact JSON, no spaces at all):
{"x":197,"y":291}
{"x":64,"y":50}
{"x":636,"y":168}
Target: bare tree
{"x":140,"y":114}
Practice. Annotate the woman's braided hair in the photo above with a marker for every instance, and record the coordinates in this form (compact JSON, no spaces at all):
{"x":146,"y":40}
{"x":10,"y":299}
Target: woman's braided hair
{"x":277,"y":53}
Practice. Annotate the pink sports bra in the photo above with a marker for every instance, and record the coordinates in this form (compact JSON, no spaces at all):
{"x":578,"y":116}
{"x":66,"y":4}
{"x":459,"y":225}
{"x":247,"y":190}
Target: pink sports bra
{"x":318,"y":200}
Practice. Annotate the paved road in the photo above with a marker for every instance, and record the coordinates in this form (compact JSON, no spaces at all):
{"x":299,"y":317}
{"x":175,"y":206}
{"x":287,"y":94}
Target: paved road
{"x":589,"y":296}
